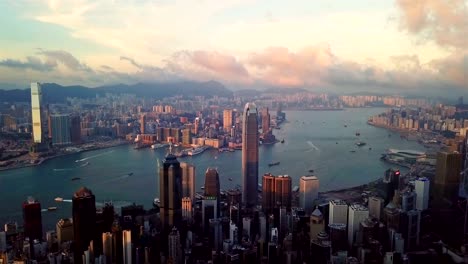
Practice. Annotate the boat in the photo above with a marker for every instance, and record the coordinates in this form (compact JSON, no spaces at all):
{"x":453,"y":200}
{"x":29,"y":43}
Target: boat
{"x":358,"y":134}
{"x":230,"y":179}
{"x":196,"y":151}
{"x":273,"y":163}
{"x":157,"y":146}
{"x":52,"y":208}
{"x":360,"y":144}
{"x":282,"y":141}
{"x":370,"y":148}
{"x":130,"y":174}
{"x":345,"y":125}
{"x":311,"y":171}
{"x":76,"y":178}
{"x":58,"y":199}
{"x":337,"y":143}
{"x":352,"y":151}
{"x":203,"y":187}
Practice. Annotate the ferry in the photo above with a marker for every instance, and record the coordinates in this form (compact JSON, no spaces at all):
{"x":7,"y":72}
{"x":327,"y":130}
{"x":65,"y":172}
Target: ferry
{"x":358,"y":134}
{"x":52,"y":208}
{"x":352,"y":151}
{"x":311,"y":171}
{"x":282,"y":141}
{"x":274,"y":163}
{"x":230,"y":179}
{"x":196,"y":151}
{"x":203,"y":187}
{"x":130,"y":174}
{"x":76,"y":178}
{"x":360,"y":144}
{"x":157,"y":146}
{"x":58,"y":199}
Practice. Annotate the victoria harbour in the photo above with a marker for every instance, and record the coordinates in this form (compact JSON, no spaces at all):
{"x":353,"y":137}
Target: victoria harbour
{"x":313,"y":140}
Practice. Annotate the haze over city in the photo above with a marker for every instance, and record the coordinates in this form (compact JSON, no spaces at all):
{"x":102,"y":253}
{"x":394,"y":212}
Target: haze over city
{"x":387,"y":46}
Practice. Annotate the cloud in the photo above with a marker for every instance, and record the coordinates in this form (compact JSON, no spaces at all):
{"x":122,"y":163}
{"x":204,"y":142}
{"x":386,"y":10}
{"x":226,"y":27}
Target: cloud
{"x":65,"y":58}
{"x":444,"y":21}
{"x":31,"y":62}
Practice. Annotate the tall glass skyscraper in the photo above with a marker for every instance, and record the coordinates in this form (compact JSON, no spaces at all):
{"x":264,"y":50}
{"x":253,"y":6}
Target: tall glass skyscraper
{"x":37,"y":116}
{"x":249,"y":155}
{"x":84,"y":220}
{"x":188,"y":180}
{"x":60,"y":129}
{"x":170,"y":191}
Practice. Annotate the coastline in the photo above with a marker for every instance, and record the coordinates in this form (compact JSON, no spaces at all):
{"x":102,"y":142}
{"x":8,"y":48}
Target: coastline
{"x":111,"y":144}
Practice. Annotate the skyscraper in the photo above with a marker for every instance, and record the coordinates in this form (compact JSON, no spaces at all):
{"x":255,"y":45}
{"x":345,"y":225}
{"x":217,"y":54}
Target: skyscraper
{"x":32,"y":219}
{"x":249,"y":155}
{"x":188,"y":180}
{"x":276,"y":192}
{"x":338,"y":213}
{"x":127,"y":246}
{"x":421,"y":187}
{"x":265,"y":120}
{"x":175,"y":251}
{"x":447,"y":176}
{"x":308,"y":192}
{"x":357,"y":213}
{"x":212,"y":183}
{"x":64,"y":230}
{"x":376,"y":205}
{"x":170,"y":191}
{"x":142,"y":124}
{"x":37,"y":113}
{"x":75,"y":129}
{"x":107,"y":249}
{"x":227,"y":119}
{"x":60,"y":129}
{"x":84,"y":220}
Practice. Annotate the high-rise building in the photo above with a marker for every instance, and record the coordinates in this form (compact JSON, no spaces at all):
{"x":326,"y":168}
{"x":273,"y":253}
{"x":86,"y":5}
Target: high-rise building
{"x":107,"y":249}
{"x":84,"y":220}
{"x":32,"y":219}
{"x":411,"y":228}
{"x":308,"y":192}
{"x":60,"y":129}
{"x":216,"y":234}
{"x":186,"y":137}
{"x":187,"y":208}
{"x":408,"y":201}
{"x":276,"y":192}
{"x":357,"y":213}
{"x":188,"y":180}
{"x":227,"y":119}
{"x":212,"y":183}
{"x":210,"y":210}
{"x":75,"y":129}
{"x":143,"y":124}
{"x":317,"y":223}
{"x":265,"y":121}
{"x":375,"y":205}
{"x":64,"y":230}
{"x":338,"y":237}
{"x":421,"y":187}
{"x":127,"y":246}
{"x":447,"y":176}
{"x":170,"y":191}
{"x":249,"y":156}
{"x":391,"y":182}
{"x":175,"y":251}
{"x":38,"y":121}
{"x":338,"y":212}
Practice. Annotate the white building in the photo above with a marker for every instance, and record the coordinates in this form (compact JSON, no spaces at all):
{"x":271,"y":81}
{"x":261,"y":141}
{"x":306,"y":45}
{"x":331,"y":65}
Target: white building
{"x":375,"y":205}
{"x":338,"y":212}
{"x":37,"y":116}
{"x":308,"y":192}
{"x":356,"y":214}
{"x":421,"y":187}
{"x":175,"y":250}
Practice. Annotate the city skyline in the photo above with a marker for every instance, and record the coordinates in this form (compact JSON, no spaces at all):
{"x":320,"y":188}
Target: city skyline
{"x":392,"y":46}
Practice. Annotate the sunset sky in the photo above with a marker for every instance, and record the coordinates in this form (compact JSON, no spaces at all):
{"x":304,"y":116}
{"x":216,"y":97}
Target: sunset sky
{"x":322,"y":45}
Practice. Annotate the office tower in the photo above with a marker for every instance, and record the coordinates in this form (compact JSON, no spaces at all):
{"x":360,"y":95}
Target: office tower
{"x":37,"y":113}
{"x":249,"y":156}
{"x":75,"y":129}
{"x":107,"y":250}
{"x":186,"y":137}
{"x":210,"y":210}
{"x":170,"y":188}
{"x":234,"y":197}
{"x":60,"y":129}
{"x":276,"y":192}
{"x":187,"y":208}
{"x":317,"y":223}
{"x":84,"y":220}
{"x":265,"y":121}
{"x":127,"y":246}
{"x":408,"y":201}
{"x":447,"y":176}
{"x":421,"y":187}
{"x":391,"y":183}
{"x":320,"y":248}
{"x":3,"y":241}
{"x":175,"y":134}
{"x":212,"y":183}
{"x":356,"y":214}
{"x":227,"y":119}
{"x":142,"y":124}
{"x":64,"y":230}
{"x":308,"y":192}
{"x":233,"y":233}
{"x":32,"y":219}
{"x":174,"y":255}
{"x":216,"y":234}
{"x":338,"y":237}
{"x":188,"y":180}
{"x":338,"y":212}
{"x":411,"y":221}
{"x":376,"y":205}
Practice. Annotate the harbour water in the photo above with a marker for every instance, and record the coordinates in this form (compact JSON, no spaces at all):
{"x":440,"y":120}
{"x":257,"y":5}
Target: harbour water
{"x":313,"y":140}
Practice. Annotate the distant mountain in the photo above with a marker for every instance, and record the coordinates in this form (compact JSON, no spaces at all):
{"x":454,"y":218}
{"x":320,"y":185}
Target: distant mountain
{"x":55,"y":93}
